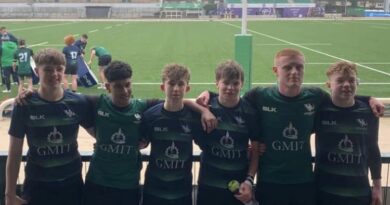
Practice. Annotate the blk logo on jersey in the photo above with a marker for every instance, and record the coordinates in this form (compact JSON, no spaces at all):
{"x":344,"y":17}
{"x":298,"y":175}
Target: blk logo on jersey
{"x":269,"y":109}
{"x":103,"y":114}
{"x":37,"y":117}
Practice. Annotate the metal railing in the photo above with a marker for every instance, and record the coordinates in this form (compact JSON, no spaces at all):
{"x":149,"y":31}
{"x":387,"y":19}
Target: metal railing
{"x":86,"y":157}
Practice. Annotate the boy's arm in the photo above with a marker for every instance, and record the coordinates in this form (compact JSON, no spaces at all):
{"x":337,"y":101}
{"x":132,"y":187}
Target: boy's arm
{"x":209,"y":121}
{"x":12,"y":170}
{"x":374,"y":162}
{"x":89,"y":123}
{"x":377,"y":107}
{"x":93,"y":52}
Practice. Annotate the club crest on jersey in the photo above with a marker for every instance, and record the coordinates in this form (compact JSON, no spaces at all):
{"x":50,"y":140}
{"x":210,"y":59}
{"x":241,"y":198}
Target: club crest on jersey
{"x":239,"y":120}
{"x":118,"y":137}
{"x":55,"y":136}
{"x":186,"y":128}
{"x":310,"y":108}
{"x":227,"y":141}
{"x":346,"y":144}
{"x":69,"y":113}
{"x":137,"y":116}
{"x":172,"y":151}
{"x":362,"y":122}
{"x":290,"y":132}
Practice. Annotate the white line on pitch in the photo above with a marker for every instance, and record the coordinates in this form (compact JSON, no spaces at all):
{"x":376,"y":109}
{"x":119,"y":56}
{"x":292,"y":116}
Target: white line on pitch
{"x":367,"y":63}
{"x":38,"y":44}
{"x":284,"y":44}
{"x":108,"y":27}
{"x":45,"y":26}
{"x":93,"y":31}
{"x":307,"y":48}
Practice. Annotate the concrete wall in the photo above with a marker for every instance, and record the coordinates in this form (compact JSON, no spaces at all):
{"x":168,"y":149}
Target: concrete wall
{"x":75,"y":10}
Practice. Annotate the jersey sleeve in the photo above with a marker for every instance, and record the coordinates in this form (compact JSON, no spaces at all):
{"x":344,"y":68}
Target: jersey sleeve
{"x":18,"y":126}
{"x":374,"y":156}
{"x":88,"y":115}
{"x":250,"y":97}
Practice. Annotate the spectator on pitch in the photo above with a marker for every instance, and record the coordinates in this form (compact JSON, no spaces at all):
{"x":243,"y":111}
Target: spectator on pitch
{"x":7,"y":51}
{"x":22,"y":58}
{"x":72,"y":53}
{"x":346,"y":144}
{"x":104,"y":59}
{"x":50,"y":121}
{"x":82,"y":43}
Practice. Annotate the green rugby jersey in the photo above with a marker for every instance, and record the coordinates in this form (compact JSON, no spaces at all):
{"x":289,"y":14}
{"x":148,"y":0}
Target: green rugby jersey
{"x":225,"y":150}
{"x":51,"y":129}
{"x":346,"y":146}
{"x":286,"y":125}
{"x":168,"y":174}
{"x":116,"y":161}
{"x":100,"y":51}
{"x":7,"y":51}
{"x":23,"y":56}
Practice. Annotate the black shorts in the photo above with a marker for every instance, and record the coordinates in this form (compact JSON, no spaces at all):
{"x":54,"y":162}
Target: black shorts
{"x":154,"y":200}
{"x":101,"y":195}
{"x":286,"y":194}
{"x":216,"y":196}
{"x":71,"y":69}
{"x":104,"y":60}
{"x":324,"y":198}
{"x":66,"y":192}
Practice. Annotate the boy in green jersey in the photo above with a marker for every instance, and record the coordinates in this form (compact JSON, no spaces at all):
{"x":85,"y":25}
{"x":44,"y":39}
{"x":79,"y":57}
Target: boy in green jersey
{"x":346,"y":144}
{"x":114,"y":171}
{"x":22,"y":59}
{"x":7,"y":50}
{"x":104,"y":59}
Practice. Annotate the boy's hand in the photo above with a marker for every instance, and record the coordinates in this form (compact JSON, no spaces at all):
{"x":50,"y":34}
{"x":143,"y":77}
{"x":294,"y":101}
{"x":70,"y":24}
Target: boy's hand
{"x":14,"y":200}
{"x":209,"y":121}
{"x":377,"y":107}
{"x":20,"y":99}
{"x":245,"y":193}
{"x":142,"y":144}
{"x":261,"y":148}
{"x":376,"y":196}
{"x":203,"y":99}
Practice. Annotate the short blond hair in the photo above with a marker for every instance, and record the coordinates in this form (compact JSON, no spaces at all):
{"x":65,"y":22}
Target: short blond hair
{"x":292,"y":52}
{"x":342,"y":67}
{"x":175,"y":72}
{"x":49,"y":56}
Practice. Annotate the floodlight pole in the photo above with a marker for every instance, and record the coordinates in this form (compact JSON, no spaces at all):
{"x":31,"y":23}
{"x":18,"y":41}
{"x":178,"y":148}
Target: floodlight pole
{"x":243,"y":48}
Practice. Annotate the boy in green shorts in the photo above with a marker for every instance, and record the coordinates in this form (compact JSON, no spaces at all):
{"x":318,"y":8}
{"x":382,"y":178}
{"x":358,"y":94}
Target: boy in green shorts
{"x":22,"y":58}
{"x":104,"y":59}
